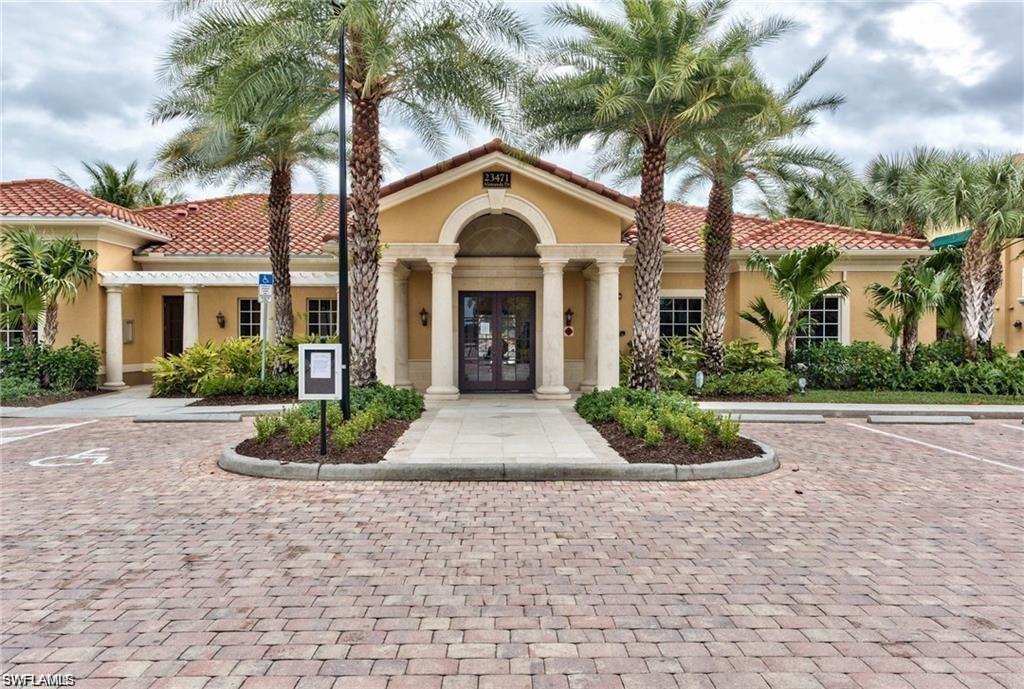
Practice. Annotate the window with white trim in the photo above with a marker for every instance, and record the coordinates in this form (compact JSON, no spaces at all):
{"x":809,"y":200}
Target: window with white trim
{"x":679,"y":316}
{"x":13,"y":335}
{"x":249,"y":317}
{"x":826,"y":313}
{"x":322,"y":317}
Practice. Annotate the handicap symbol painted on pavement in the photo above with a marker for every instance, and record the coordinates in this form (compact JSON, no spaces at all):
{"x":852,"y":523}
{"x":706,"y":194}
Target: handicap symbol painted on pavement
{"x":97,"y":455}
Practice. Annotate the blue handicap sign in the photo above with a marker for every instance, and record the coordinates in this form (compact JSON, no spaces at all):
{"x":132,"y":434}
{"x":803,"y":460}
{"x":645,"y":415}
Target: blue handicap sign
{"x":266,"y":278}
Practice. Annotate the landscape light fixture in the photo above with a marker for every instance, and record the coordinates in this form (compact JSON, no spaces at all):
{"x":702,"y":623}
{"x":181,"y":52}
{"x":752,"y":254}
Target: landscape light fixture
{"x":698,"y":380}
{"x":802,"y":382}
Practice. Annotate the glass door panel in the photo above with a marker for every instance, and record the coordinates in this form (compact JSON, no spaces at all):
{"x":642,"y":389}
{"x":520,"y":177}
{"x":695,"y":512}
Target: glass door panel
{"x":496,"y":340}
{"x":478,"y":338}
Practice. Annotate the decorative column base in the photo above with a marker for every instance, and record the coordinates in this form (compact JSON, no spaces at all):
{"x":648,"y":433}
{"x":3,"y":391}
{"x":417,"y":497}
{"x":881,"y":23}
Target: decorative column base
{"x":440,"y":393}
{"x":587,"y":387}
{"x":552,"y":392}
{"x":113,"y":386}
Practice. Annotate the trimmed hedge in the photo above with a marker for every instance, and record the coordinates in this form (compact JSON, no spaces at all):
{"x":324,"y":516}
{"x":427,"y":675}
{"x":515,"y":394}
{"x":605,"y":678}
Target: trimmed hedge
{"x":938,"y":367}
{"x":371,"y":406}
{"x":649,"y":415}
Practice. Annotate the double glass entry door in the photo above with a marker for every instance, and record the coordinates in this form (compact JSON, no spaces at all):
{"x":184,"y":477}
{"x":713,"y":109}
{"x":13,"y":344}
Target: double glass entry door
{"x":497,"y":341}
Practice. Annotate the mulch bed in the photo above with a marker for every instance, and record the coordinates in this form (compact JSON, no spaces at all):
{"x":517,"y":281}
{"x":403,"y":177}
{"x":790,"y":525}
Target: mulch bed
{"x":224,"y":400}
{"x":672,"y":450}
{"x":43,"y":400}
{"x":370,"y":449}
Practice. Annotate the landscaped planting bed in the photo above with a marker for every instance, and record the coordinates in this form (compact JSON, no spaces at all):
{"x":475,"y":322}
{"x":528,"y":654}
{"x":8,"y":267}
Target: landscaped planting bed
{"x":380,"y":415}
{"x":38,"y":375}
{"x":663,"y":428}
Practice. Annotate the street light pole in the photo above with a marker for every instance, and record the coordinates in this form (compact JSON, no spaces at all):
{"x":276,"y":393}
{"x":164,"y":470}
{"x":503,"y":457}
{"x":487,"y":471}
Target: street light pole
{"x":343,"y":307}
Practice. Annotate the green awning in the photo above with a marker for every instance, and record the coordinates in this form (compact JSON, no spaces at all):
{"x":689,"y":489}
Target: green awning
{"x":955,"y":240}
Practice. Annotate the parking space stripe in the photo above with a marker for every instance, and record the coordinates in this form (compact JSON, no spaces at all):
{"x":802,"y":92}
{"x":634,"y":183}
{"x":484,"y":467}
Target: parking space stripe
{"x":936,"y":447}
{"x":5,"y":438}
{"x":1016,"y":428}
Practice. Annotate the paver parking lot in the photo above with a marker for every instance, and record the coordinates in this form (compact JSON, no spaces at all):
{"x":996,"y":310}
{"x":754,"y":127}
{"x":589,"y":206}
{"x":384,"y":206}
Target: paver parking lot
{"x":130,"y":560}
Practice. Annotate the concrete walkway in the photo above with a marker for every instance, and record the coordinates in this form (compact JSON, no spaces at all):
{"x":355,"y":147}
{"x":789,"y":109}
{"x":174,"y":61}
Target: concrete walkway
{"x":131,"y":401}
{"x":502,"y":429}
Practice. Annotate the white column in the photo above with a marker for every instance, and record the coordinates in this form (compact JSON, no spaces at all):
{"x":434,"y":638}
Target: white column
{"x":590,"y":344}
{"x":442,"y":331}
{"x":115,"y":339}
{"x":190,"y":313}
{"x":386,"y":321}
{"x":608,"y":324}
{"x":553,"y":350}
{"x":402,"y":327}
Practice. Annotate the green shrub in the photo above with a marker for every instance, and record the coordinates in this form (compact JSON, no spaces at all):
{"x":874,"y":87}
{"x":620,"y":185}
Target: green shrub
{"x":652,"y":434}
{"x":231,"y":367}
{"x":268,"y":426}
{"x":771,"y":382}
{"x":858,"y":366}
{"x":17,"y":388}
{"x":302,"y":431}
{"x":398,"y":403}
{"x":742,"y":355}
{"x":685,"y":428}
{"x":728,"y":431}
{"x":73,"y":367}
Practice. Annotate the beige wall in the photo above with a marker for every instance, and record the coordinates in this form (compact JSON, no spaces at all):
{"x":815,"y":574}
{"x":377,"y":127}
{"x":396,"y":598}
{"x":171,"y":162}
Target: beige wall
{"x":1009,"y":304}
{"x":420,"y":219}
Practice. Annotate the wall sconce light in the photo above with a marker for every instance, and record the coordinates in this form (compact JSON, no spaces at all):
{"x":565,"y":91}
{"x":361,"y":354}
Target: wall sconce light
{"x":424,"y":317}
{"x":128,"y":332}
{"x":569,"y":316}
{"x":220,"y":319}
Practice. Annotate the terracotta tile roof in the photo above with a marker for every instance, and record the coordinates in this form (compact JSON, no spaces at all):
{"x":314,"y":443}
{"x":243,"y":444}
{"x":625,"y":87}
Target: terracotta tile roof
{"x":48,"y":198}
{"x":683,"y":224}
{"x":497,"y":145}
{"x":238,"y":224}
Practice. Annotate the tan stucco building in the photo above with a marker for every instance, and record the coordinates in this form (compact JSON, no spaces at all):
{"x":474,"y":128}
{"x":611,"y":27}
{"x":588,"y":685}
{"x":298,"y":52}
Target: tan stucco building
{"x":498,"y":272}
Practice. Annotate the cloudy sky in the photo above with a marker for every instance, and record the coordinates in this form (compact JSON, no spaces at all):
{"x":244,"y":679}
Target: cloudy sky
{"x":78,"y":78}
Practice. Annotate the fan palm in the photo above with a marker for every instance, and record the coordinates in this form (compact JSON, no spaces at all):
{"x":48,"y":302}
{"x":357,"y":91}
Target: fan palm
{"x":767,"y":321}
{"x":891,"y":324}
{"x":834,"y":199}
{"x":435,"y":65}
{"x":36,"y":274}
{"x":917,"y":288}
{"x":637,"y":82}
{"x":122,"y":187}
{"x":755,"y":150}
{"x":799,"y":277}
{"x":986,"y":193}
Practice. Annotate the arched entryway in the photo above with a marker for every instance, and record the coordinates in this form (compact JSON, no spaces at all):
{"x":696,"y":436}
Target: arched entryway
{"x":497,"y":347}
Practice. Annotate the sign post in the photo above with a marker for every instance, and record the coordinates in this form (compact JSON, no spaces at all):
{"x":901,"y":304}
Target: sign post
{"x":320,"y":378}
{"x":266,"y":287}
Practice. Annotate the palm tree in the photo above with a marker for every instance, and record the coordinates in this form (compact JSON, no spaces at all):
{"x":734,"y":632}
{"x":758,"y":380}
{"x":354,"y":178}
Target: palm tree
{"x":767,"y":321}
{"x":122,"y":187}
{"x":656,"y":74}
{"x":213,"y":149}
{"x":436,"y":65}
{"x":799,"y":277}
{"x":894,"y":183}
{"x":891,"y":324}
{"x":36,"y":274}
{"x":834,"y":199}
{"x":985,"y":193}
{"x":917,"y":288}
{"x":756,"y":150}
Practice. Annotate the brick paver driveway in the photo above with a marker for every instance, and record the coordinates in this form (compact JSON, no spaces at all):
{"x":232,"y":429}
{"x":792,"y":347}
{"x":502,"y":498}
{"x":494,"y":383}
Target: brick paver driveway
{"x":866,"y":561}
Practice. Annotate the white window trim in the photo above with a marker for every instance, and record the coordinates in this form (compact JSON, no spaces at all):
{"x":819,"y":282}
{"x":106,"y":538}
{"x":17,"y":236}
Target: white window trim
{"x":238,"y":316}
{"x":844,"y":318}
{"x":682,"y":293}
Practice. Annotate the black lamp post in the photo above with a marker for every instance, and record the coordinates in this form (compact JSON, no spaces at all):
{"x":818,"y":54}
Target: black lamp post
{"x":343,"y":309}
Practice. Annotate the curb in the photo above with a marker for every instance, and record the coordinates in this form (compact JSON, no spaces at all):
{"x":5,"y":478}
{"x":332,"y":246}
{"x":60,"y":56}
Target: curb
{"x":235,"y":463}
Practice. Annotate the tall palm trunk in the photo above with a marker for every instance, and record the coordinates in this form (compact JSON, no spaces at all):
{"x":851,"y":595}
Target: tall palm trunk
{"x":28,"y":337}
{"x":993,"y":281}
{"x":717,"y":245}
{"x":973,"y":273}
{"x":910,"y":338}
{"x":909,"y":228}
{"x":650,"y":228}
{"x":50,"y":324}
{"x":791,"y":331}
{"x":279,"y":208}
{"x":366,"y":177}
